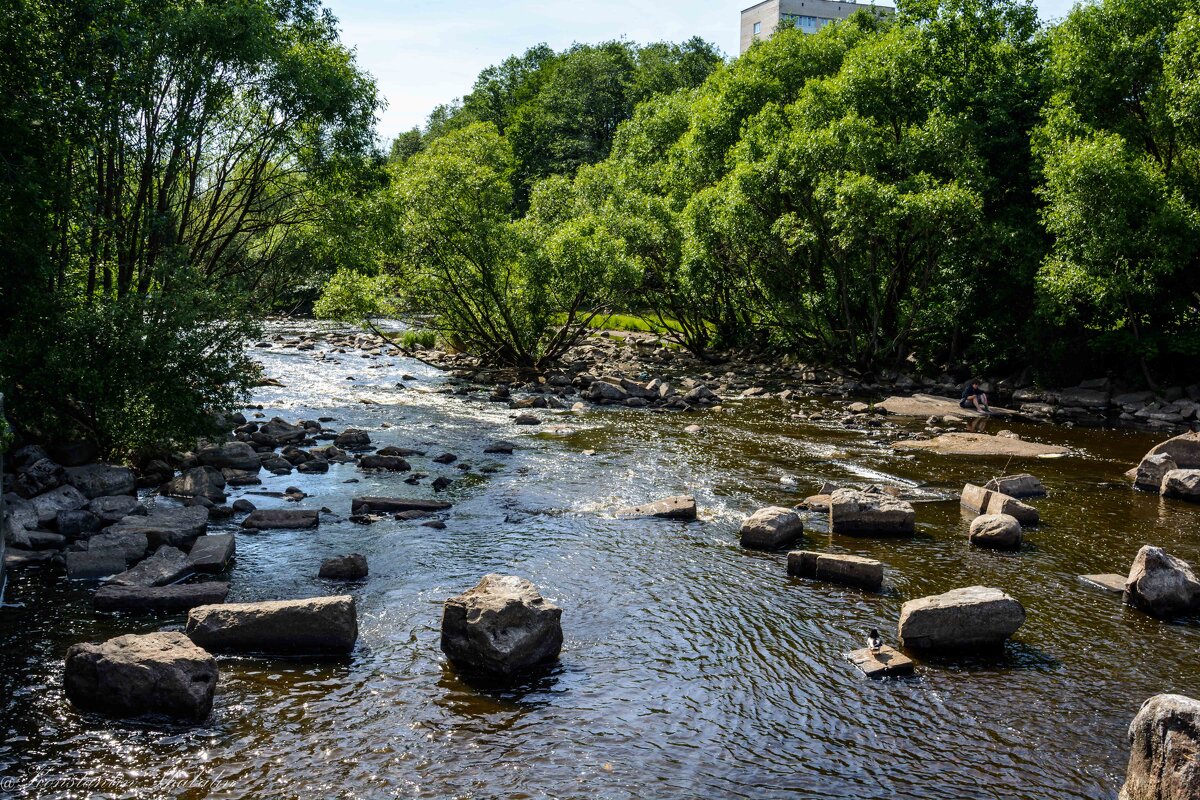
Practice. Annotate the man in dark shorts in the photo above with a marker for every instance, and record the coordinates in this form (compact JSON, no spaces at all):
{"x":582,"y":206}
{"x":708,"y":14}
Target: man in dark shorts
{"x":975,"y":398}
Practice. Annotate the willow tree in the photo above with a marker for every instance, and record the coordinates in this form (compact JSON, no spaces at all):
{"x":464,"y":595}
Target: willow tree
{"x":173,"y":150}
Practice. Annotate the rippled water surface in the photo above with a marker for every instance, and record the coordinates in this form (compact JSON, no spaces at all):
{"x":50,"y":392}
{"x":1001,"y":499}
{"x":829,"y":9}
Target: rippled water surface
{"x":691,"y":667}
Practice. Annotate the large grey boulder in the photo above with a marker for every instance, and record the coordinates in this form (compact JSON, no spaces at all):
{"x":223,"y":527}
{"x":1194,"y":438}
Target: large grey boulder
{"x":114,"y":508}
{"x":871,"y":511}
{"x":279,"y":431}
{"x":198,"y":482}
{"x":167,"y":565}
{"x":318,"y":625}
{"x":1184,"y":450}
{"x":39,"y":476}
{"x":1164,"y":750}
{"x":230,"y":455}
{"x":77,"y":523}
{"x":1018,"y":486}
{"x":987,"y":501}
{"x":353,"y":439}
{"x":173,"y":599}
{"x":102,"y":480}
{"x":267,"y":518}
{"x":771,"y":527}
{"x":134,"y":676}
{"x":62,"y":498}
{"x":132,"y":544}
{"x":392,"y":463}
{"x":972,"y":618}
{"x":998,"y":531}
{"x":1149,"y":474}
{"x":178,"y":527}
{"x":501,"y":626}
{"x":1161,"y":584}
{"x":1183,"y":484}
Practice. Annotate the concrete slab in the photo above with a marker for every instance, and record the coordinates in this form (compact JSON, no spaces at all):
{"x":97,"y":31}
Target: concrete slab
{"x":882,"y":663}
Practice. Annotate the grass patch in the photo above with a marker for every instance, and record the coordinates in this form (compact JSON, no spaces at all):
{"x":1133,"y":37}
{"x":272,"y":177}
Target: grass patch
{"x":627,"y":322}
{"x":412,"y":338}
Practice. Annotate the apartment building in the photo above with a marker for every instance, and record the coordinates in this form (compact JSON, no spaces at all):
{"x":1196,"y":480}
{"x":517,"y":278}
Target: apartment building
{"x":760,"y":21}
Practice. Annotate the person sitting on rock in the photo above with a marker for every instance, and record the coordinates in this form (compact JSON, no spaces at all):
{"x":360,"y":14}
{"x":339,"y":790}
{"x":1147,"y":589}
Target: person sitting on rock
{"x":974,"y":397}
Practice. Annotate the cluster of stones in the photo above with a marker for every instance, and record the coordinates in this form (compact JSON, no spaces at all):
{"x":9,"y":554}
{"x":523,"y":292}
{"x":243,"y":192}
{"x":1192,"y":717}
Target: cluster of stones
{"x":1172,"y":469}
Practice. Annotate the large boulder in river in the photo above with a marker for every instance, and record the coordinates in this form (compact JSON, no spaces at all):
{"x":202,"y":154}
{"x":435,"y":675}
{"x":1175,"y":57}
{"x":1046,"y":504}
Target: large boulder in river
{"x":353,"y":439}
{"x":351,"y":567}
{"x":102,"y":480}
{"x":1150,"y":473}
{"x":230,"y":455}
{"x":115,"y":508}
{"x":40,"y":476}
{"x":871,"y":511}
{"x":263,"y":519}
{"x":177,"y":527}
{"x":173,"y":599}
{"x":1161,"y":584}
{"x":318,"y":625}
{"x":63,"y":498}
{"x":1183,"y":484}
{"x":998,"y":531}
{"x":1184,"y":450}
{"x":134,"y":676}
{"x":1164,"y":750}
{"x":501,"y":626}
{"x":972,"y":618}
{"x":279,"y":431}
{"x":771,"y":527}
{"x":198,"y":482}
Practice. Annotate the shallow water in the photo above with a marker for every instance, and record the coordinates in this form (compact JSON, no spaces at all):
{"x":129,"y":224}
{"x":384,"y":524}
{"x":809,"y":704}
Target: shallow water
{"x":691,"y":667}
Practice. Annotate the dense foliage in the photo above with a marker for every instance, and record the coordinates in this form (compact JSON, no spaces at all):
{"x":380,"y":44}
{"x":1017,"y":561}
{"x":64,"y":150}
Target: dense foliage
{"x":164,"y":164}
{"x":955,"y":187}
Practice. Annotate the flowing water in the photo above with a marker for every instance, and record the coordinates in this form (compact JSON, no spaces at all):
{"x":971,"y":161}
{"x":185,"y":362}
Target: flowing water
{"x":691,"y":667}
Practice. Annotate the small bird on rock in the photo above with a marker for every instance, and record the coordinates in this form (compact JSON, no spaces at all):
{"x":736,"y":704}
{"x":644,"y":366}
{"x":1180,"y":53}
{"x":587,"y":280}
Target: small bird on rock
{"x":873,"y":640}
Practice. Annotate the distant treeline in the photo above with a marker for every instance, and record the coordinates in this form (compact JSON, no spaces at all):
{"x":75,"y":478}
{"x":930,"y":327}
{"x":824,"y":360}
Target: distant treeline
{"x":955,"y":188}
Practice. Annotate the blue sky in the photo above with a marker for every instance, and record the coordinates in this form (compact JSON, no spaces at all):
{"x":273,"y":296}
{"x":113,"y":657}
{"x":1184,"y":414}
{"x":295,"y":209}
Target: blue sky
{"x":426,"y":52}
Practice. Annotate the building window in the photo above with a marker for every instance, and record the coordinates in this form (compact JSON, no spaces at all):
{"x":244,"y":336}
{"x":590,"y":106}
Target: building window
{"x":757,"y":28}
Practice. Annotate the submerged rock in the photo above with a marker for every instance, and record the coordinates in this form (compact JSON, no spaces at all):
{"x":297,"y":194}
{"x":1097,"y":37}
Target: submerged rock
{"x":362,"y":505}
{"x":134,"y":676}
{"x":1161,"y":584}
{"x":318,"y":625}
{"x":771,"y":527}
{"x":972,"y":618}
{"x":1164,"y":750}
{"x":501,"y":626}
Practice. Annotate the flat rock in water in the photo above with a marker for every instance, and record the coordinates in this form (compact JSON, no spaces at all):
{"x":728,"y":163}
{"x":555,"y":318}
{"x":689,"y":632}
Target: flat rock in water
{"x":981,"y":444}
{"x":882,"y":663}
{"x":317,"y":625}
{"x":178,"y":527}
{"x":362,"y":505}
{"x":95,"y":564}
{"x":927,"y":405}
{"x":1108,"y":581}
{"x":1018,"y":486}
{"x":169,"y":599}
{"x":864,"y":573}
{"x":167,"y":565}
{"x":681,"y":507}
{"x":212,"y":553}
{"x":273,"y":518}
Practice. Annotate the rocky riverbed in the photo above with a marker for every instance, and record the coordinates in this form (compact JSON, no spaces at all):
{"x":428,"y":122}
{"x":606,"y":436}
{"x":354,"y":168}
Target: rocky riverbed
{"x":690,"y":665}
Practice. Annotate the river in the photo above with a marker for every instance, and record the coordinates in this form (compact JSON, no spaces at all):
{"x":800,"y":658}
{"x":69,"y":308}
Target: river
{"x":691,"y":668}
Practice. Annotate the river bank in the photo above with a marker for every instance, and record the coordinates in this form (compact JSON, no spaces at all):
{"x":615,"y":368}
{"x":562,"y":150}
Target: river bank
{"x":691,"y":666}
